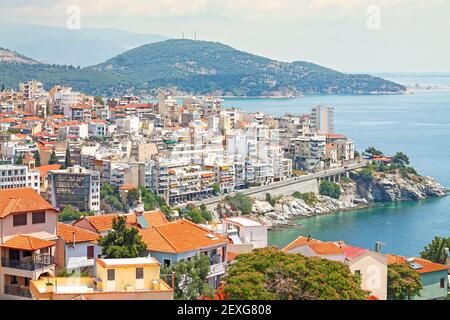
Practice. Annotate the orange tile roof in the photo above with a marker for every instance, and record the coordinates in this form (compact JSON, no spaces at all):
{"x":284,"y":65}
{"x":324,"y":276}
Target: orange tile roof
{"x":104,"y":223}
{"x":128,"y":187}
{"x":395,"y":259}
{"x":22,"y":200}
{"x":179,"y":236}
{"x":427,"y":266}
{"x":317,"y":246}
{"x":27,"y":243}
{"x":67,"y":233}
{"x":299,"y":242}
{"x":231,"y":256}
{"x":155,"y":218}
{"x":326,"y":248}
{"x":43,"y":170}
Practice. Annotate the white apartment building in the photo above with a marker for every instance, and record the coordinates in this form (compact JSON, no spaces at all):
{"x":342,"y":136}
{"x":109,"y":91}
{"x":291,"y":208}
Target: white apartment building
{"x":322,"y":119}
{"x":17,"y":176}
{"x":308,"y":152}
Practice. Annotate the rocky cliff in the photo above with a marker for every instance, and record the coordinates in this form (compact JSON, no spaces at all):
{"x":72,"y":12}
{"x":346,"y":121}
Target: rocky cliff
{"x":384,"y":187}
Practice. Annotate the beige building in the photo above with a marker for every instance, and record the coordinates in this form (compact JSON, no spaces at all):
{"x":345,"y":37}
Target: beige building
{"x":116,"y":279}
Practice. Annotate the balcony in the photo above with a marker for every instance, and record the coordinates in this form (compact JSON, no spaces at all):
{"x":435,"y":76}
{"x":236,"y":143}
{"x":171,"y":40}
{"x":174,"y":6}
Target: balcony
{"x":217,"y":269}
{"x":38,"y":262}
{"x":17,"y":291}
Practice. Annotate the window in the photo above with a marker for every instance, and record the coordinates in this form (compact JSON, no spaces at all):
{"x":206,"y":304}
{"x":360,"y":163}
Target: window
{"x":111,"y":275}
{"x":20,"y":220}
{"x":26,"y":254}
{"x":139,"y":273}
{"x":167,"y":263}
{"x":358,"y":273}
{"x":38,"y":217}
{"x":442,"y":283}
{"x":90,"y":252}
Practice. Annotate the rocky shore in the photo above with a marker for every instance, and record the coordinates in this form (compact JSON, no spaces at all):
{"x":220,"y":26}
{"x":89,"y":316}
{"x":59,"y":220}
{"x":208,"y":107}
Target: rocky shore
{"x":385,"y":187}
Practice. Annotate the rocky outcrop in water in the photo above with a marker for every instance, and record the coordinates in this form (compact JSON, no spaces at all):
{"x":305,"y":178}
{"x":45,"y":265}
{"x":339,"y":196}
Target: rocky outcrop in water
{"x":393,"y":187}
{"x":384,"y":187}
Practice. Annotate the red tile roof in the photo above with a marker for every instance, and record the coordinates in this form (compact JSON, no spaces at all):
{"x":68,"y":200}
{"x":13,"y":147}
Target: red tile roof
{"x":22,"y":200}
{"x":299,"y":242}
{"x":71,"y":233}
{"x":179,"y":236}
{"x":351,"y":252}
{"x":426,"y":265}
{"x":21,"y":242}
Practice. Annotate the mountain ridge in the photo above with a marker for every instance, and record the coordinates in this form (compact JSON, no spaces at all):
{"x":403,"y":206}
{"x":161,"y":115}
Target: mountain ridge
{"x":200,"y":68}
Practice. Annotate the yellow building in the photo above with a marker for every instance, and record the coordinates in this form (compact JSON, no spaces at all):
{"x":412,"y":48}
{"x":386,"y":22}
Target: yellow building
{"x":117,"y":279}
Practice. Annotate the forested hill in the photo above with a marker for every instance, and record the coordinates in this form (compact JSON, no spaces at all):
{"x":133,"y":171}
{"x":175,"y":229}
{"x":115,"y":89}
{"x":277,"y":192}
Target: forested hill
{"x":197,"y":67}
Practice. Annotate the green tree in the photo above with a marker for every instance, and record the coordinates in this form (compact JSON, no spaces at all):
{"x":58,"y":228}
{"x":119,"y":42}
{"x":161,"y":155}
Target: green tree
{"x":132,"y":197}
{"x":191,"y":278}
{"x":404,"y":283}
{"x":123,"y":241}
{"x":270,"y":274}
{"x":240,"y":202}
{"x":99,"y":100}
{"x":37,"y":158}
{"x":69,"y":213}
{"x":437,"y":250}
{"x":68,"y":159}
{"x":196,"y":215}
{"x":330,"y":189}
{"x":216,"y":189}
{"x":373,"y":151}
{"x":53,"y":158}
{"x":401,"y":159}
{"x":19,"y":160}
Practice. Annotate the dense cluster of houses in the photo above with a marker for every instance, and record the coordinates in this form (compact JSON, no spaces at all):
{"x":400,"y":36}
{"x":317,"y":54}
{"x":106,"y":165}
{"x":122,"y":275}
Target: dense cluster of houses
{"x":181,"y":151}
{"x":58,"y":147}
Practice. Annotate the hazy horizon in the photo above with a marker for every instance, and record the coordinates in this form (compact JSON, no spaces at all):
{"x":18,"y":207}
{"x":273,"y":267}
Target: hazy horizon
{"x":351,"y":36}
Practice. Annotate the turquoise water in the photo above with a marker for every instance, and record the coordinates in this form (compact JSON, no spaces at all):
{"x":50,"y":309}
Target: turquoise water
{"x":417,"y":124}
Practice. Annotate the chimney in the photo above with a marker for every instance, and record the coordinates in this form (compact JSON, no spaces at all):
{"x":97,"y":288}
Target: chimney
{"x":73,"y":239}
{"x":309,"y":238}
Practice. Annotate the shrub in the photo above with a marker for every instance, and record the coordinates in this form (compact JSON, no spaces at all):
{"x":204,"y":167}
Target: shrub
{"x":330,"y":189}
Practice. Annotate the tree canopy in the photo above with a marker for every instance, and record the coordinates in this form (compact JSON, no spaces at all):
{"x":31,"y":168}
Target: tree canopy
{"x":330,"y":189}
{"x":270,"y":274}
{"x":404,"y":283}
{"x":191,"y":278}
{"x":122,"y":241}
{"x":437,"y":250}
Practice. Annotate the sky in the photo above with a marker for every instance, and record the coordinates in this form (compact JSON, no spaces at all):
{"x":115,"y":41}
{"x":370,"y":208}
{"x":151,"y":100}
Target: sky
{"x":347,"y":35}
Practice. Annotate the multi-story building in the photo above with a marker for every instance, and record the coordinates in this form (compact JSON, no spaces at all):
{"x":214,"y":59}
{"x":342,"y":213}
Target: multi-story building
{"x":75,"y":186}
{"x":27,"y":241}
{"x":308,"y":152}
{"x":15,"y":176}
{"x":322,"y":118}
{"x":116,"y":279}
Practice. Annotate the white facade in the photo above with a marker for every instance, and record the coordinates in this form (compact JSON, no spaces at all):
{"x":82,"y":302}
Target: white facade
{"x":12,"y":176}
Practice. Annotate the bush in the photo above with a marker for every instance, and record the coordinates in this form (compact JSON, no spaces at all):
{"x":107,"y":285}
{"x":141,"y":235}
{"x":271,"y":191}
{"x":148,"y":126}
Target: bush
{"x":272,"y":200}
{"x":330,"y":189}
{"x":309,"y":198}
{"x":241,"y":203}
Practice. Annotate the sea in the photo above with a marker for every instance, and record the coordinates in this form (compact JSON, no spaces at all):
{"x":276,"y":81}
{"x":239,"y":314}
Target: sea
{"x":417,"y":124}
